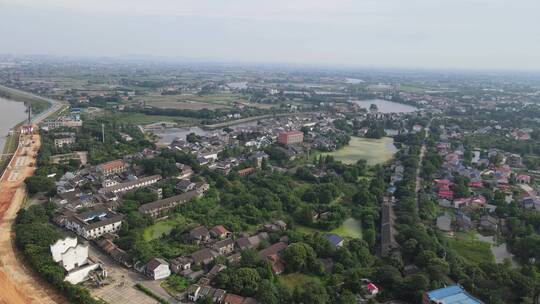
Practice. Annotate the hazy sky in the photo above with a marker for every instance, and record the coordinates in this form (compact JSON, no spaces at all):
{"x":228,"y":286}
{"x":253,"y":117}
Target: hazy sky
{"x":476,"y":34}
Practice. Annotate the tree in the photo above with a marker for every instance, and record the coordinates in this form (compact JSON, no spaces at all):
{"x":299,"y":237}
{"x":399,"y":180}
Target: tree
{"x":244,"y":281}
{"x":299,"y":257}
{"x":267,"y":293}
{"x":310,"y":292}
{"x":37,"y":183}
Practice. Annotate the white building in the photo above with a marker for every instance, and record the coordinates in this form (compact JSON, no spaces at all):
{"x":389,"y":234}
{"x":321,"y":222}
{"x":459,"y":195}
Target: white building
{"x":74,"y":258}
{"x":158,"y":269}
{"x":95,"y":223}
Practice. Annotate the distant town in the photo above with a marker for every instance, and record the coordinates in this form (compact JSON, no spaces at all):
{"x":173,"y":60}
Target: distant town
{"x":175,"y":183}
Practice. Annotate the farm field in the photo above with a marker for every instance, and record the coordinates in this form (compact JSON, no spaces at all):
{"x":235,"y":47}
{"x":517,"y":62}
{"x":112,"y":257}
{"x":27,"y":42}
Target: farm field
{"x":191,"y":101}
{"x":144,"y":119}
{"x":374,"y":151}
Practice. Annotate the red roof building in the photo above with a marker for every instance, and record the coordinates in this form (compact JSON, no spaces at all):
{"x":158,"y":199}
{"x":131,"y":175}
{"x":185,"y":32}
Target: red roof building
{"x":246,"y":171}
{"x":233,"y":299}
{"x":113,"y":167}
{"x":477,"y":184}
{"x":291,"y":137}
{"x":372,"y":289}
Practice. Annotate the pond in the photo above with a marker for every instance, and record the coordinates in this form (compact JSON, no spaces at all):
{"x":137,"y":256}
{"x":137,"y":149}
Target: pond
{"x":385,"y":106}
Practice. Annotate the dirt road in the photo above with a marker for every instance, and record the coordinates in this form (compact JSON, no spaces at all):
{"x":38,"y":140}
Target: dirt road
{"x":19,"y":285}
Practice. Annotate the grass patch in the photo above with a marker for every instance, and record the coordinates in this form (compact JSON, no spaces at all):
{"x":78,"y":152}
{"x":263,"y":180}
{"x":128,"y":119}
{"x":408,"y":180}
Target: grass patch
{"x":307,"y":230}
{"x":374,"y":151}
{"x":175,"y":284}
{"x":292,"y":280}
{"x":351,"y":228}
{"x":473,"y":250}
{"x":161,"y":228}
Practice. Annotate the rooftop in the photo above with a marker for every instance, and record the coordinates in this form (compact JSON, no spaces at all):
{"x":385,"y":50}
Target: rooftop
{"x":454,"y":294}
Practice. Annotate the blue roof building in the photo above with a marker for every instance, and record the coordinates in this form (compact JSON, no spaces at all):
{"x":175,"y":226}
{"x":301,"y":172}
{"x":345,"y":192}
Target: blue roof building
{"x":334,"y":239}
{"x":454,"y":294}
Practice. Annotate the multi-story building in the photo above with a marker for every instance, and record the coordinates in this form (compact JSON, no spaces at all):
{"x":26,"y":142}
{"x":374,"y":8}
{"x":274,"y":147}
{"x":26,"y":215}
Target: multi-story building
{"x":112,"y":167}
{"x":66,"y":141}
{"x":131,"y":185}
{"x":291,"y":137}
{"x":95,"y":223}
{"x":154,"y":209}
{"x":64,"y":121}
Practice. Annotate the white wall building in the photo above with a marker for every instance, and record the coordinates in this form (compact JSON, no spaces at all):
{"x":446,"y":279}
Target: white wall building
{"x":74,"y":258}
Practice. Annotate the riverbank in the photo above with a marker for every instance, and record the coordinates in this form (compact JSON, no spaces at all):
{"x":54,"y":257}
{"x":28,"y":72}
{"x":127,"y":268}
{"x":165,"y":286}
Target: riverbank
{"x":39,"y":104}
{"x":18,"y":284}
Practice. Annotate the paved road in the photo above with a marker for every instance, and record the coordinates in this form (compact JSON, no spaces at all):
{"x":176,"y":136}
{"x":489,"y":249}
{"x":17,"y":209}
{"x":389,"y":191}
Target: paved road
{"x":421,"y":158}
{"x":122,"y":288}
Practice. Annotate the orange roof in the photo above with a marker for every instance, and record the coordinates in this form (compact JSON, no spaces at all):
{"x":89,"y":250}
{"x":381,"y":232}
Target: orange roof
{"x":233,"y":299}
{"x":112,"y":164}
{"x":220,"y":229}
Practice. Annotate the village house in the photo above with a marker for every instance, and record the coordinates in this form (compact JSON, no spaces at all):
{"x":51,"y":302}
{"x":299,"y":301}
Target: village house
{"x":488,"y":222}
{"x":116,"y":253}
{"x":251,"y":242}
{"x":199,"y":235}
{"x":523,"y":179}
{"x":180,"y":263}
{"x":184,"y":171}
{"x":272,"y":254}
{"x":204,"y":256}
{"x":224,"y":247}
{"x":185,"y":185}
{"x":157,"y":269}
{"x":444,"y":223}
{"x":220,"y":232}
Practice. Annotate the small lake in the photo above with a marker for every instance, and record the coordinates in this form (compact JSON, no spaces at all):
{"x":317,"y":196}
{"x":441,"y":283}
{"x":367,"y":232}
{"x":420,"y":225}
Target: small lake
{"x":386,"y":106}
{"x":11,"y":113}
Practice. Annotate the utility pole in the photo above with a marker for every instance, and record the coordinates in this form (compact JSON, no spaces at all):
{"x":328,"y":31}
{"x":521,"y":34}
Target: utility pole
{"x":29,"y":113}
{"x":103,"y":132}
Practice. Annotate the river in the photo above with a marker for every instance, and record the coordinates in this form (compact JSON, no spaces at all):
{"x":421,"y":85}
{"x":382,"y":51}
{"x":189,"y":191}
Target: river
{"x":385,"y":106}
{"x":11,"y":113}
